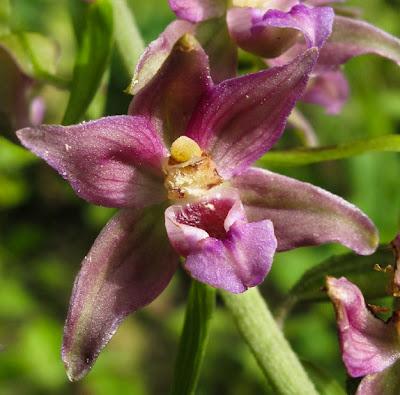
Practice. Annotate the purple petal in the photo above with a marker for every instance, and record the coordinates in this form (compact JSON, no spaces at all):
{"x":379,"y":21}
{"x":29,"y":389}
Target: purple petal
{"x":129,"y":265}
{"x":157,"y":52}
{"x":328,"y":89}
{"x":351,"y":37}
{"x":368,"y":344}
{"x":222,"y":248}
{"x":240,"y":119}
{"x":198,"y":10}
{"x":386,"y":382}
{"x":169,"y":99}
{"x":272,"y":33}
{"x":304,"y":214}
{"x":114,"y":161}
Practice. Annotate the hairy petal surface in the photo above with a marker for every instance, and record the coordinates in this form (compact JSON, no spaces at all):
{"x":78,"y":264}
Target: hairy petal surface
{"x":129,"y":265}
{"x":157,"y":52}
{"x":368,"y":344}
{"x":114,"y":161}
{"x":386,"y":382}
{"x":169,"y":99}
{"x":352,"y":37}
{"x":272,"y":33}
{"x":240,"y":119}
{"x":304,"y":214}
{"x":221,"y":248}
{"x":328,"y":89}
{"x":198,"y":10}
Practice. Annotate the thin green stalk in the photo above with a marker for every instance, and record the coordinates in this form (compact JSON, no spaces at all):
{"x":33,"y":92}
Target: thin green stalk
{"x":127,"y":36}
{"x":272,"y":351}
{"x":304,"y":156}
{"x":193,"y":342}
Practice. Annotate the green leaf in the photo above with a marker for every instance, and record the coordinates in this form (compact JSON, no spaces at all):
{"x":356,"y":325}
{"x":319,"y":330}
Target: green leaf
{"x":358,"y":269}
{"x":92,"y":59}
{"x":5,"y":10}
{"x":305,"y":156}
{"x":127,"y":36}
{"x":272,"y":351}
{"x":35,"y":55}
{"x":199,"y":310}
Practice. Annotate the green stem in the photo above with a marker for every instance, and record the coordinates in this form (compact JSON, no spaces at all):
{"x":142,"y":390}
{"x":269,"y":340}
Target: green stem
{"x":193,"y":342}
{"x":306,"y":156}
{"x":270,"y":348}
{"x":128,"y":38}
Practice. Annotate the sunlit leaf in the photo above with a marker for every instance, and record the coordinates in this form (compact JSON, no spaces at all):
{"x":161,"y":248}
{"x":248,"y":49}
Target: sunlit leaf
{"x":305,"y":156}
{"x":4,"y":16}
{"x":91,"y":60}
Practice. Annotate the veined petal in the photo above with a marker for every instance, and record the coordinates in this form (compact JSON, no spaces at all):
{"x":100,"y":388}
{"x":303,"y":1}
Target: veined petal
{"x":272,"y":33}
{"x":157,"y":52}
{"x":222,"y":249}
{"x":198,"y":10}
{"x":328,"y":89}
{"x":240,"y":119}
{"x":352,"y":37}
{"x":168,"y":100}
{"x":129,"y":265}
{"x":368,"y":344}
{"x":386,"y":382}
{"x":114,"y":161}
{"x":304,"y":214}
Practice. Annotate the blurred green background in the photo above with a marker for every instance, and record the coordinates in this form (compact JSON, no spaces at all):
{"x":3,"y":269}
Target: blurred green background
{"x":45,"y":231}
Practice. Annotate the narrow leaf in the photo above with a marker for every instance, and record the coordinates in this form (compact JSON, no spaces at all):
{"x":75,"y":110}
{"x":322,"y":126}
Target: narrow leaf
{"x":91,"y":60}
{"x":305,"y":156}
{"x":199,"y":310}
{"x":127,"y":36}
{"x":360,"y":270}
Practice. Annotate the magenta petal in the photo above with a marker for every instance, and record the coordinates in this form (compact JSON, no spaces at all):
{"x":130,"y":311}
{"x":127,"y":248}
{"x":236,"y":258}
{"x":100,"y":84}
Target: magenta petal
{"x":157,"y":52}
{"x":270,"y":34}
{"x":222,"y":248}
{"x":240,"y":119}
{"x":129,"y":265}
{"x":198,"y":10}
{"x":114,"y":161}
{"x":386,"y":382}
{"x":328,"y":89}
{"x":352,"y":37}
{"x":169,"y":99}
{"x":368,"y":344}
{"x":304,"y":214}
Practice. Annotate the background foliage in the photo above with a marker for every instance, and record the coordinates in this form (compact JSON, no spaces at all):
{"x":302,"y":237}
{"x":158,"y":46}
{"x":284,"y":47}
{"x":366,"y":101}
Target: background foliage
{"x":45,"y":231}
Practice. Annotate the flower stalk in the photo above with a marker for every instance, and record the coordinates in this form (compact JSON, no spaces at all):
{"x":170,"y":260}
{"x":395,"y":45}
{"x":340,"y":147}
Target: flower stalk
{"x":272,"y":351}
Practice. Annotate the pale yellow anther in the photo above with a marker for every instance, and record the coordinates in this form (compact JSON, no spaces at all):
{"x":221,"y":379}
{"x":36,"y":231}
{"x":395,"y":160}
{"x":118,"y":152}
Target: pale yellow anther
{"x":184,"y":149}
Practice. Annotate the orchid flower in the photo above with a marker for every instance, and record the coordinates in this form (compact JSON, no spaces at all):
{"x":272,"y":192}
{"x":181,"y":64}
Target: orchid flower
{"x":178,"y":167}
{"x":270,"y":28}
{"x":370,"y":347}
{"x":18,"y":108}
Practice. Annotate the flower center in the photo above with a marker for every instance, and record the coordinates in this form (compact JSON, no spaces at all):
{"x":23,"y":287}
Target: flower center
{"x":190,"y":172}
